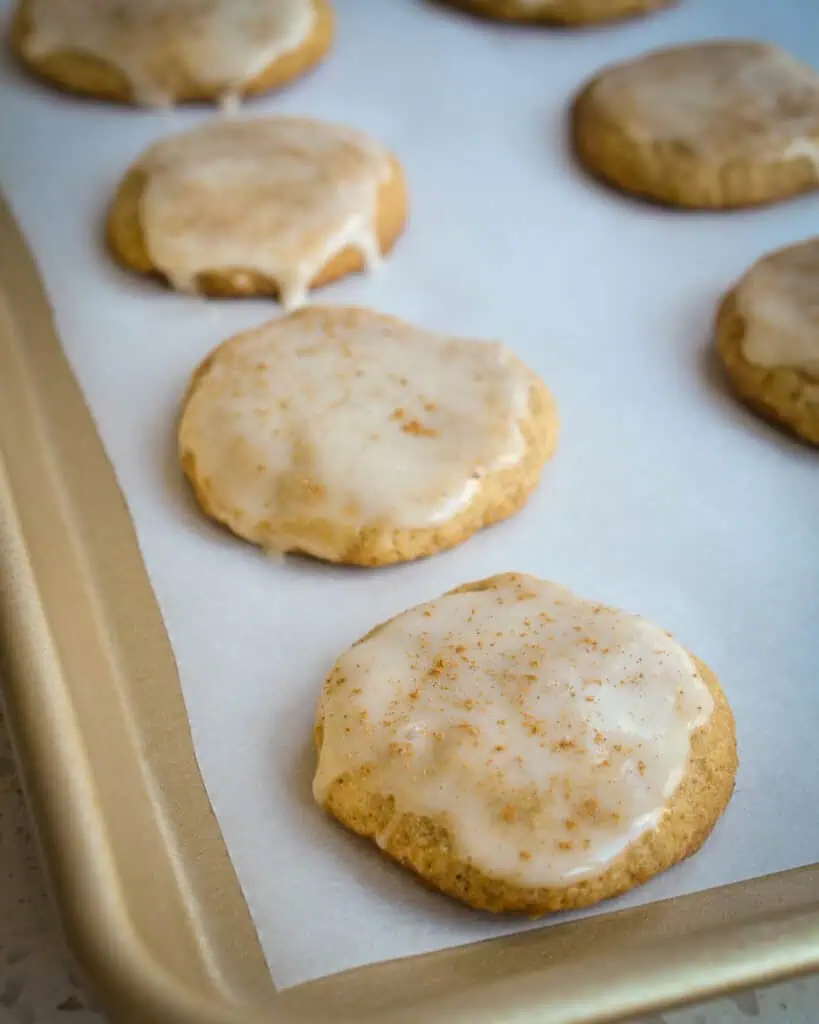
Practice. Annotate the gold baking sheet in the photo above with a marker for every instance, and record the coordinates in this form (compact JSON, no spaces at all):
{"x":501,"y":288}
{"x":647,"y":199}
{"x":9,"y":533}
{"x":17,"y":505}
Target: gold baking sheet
{"x":147,"y":891}
{"x":151,"y":899}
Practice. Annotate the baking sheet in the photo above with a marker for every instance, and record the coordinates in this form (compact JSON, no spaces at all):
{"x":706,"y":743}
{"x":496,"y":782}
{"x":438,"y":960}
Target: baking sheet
{"x":665,"y":497}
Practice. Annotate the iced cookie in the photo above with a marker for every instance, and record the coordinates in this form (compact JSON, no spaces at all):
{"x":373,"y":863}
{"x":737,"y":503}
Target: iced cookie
{"x":160,"y":52}
{"x":716,"y":124}
{"x":525,"y":750}
{"x":354,"y":437}
{"x":274,"y":205}
{"x":561,"y":12}
{"x":768,"y":338}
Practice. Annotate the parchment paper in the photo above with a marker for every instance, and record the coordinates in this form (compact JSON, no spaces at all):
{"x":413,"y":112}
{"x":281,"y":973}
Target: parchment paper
{"x":666,"y":496}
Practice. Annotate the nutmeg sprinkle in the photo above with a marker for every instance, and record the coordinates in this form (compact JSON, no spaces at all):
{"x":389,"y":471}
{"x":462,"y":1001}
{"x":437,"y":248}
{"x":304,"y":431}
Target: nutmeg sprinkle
{"x":301,"y":441}
{"x":536,"y":783}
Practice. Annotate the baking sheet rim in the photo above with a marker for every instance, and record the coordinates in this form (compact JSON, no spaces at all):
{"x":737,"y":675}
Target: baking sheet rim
{"x":748,"y":933}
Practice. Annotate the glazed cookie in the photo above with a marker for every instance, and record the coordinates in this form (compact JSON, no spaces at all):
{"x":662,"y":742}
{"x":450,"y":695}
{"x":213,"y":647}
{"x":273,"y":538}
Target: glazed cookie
{"x":768,"y":338}
{"x":525,"y":750}
{"x":160,"y":52}
{"x":354,"y":437}
{"x":717,"y":124}
{"x":560,"y":12}
{"x":272,"y":206}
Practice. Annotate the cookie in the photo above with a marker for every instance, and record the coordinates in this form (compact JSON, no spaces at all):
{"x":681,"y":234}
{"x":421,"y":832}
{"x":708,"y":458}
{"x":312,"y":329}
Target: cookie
{"x":522,"y":749}
{"x":357,"y":438}
{"x":560,"y":12}
{"x":160,"y":52}
{"x":718,"y":124}
{"x":265,"y":206}
{"x":768,"y":338}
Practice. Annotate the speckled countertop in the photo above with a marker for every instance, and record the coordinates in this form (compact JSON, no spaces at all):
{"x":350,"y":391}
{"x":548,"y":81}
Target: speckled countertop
{"x":38,"y":984}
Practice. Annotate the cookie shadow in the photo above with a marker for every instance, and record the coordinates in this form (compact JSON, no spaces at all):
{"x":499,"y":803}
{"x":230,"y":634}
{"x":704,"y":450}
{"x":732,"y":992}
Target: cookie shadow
{"x":178,"y":490}
{"x":562,"y":139}
{"x":599,"y":186}
{"x":185,"y":506}
{"x":462,"y":9}
{"x":380,"y":878}
{"x":367,"y":867}
{"x":713,"y":375}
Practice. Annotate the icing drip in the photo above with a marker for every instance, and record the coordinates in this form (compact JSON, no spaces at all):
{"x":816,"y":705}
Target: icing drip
{"x":548,"y":732}
{"x":156,"y":44}
{"x":279,"y":196}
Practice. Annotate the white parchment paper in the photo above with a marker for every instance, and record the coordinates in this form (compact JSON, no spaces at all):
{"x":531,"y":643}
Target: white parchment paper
{"x":666,"y":497}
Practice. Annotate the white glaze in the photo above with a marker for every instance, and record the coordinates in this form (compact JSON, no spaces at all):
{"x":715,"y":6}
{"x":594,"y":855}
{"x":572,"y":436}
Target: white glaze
{"x":779,"y":301}
{"x":354,"y":418}
{"x":549,"y":732}
{"x":724,"y":99}
{"x":219,"y":44}
{"x":280,"y":196}
{"x":808,"y":149}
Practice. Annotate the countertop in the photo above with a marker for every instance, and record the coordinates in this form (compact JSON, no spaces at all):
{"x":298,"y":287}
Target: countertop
{"x":40,"y":985}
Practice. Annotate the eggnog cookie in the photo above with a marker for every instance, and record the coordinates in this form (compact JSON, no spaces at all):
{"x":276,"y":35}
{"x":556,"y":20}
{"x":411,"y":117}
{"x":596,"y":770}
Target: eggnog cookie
{"x":717,"y":124}
{"x":525,"y":750}
{"x":274,"y":206}
{"x":559,"y":12}
{"x":160,"y":52}
{"x":357,"y":438}
{"x":768,"y":338}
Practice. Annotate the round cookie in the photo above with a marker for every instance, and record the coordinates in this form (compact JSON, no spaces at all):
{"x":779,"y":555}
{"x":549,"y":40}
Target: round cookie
{"x":264,"y":206}
{"x":358,"y":438}
{"x":522,"y":749}
{"x":160,"y":52}
{"x":717,"y":124}
{"x":768,"y":338}
{"x":560,"y":12}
